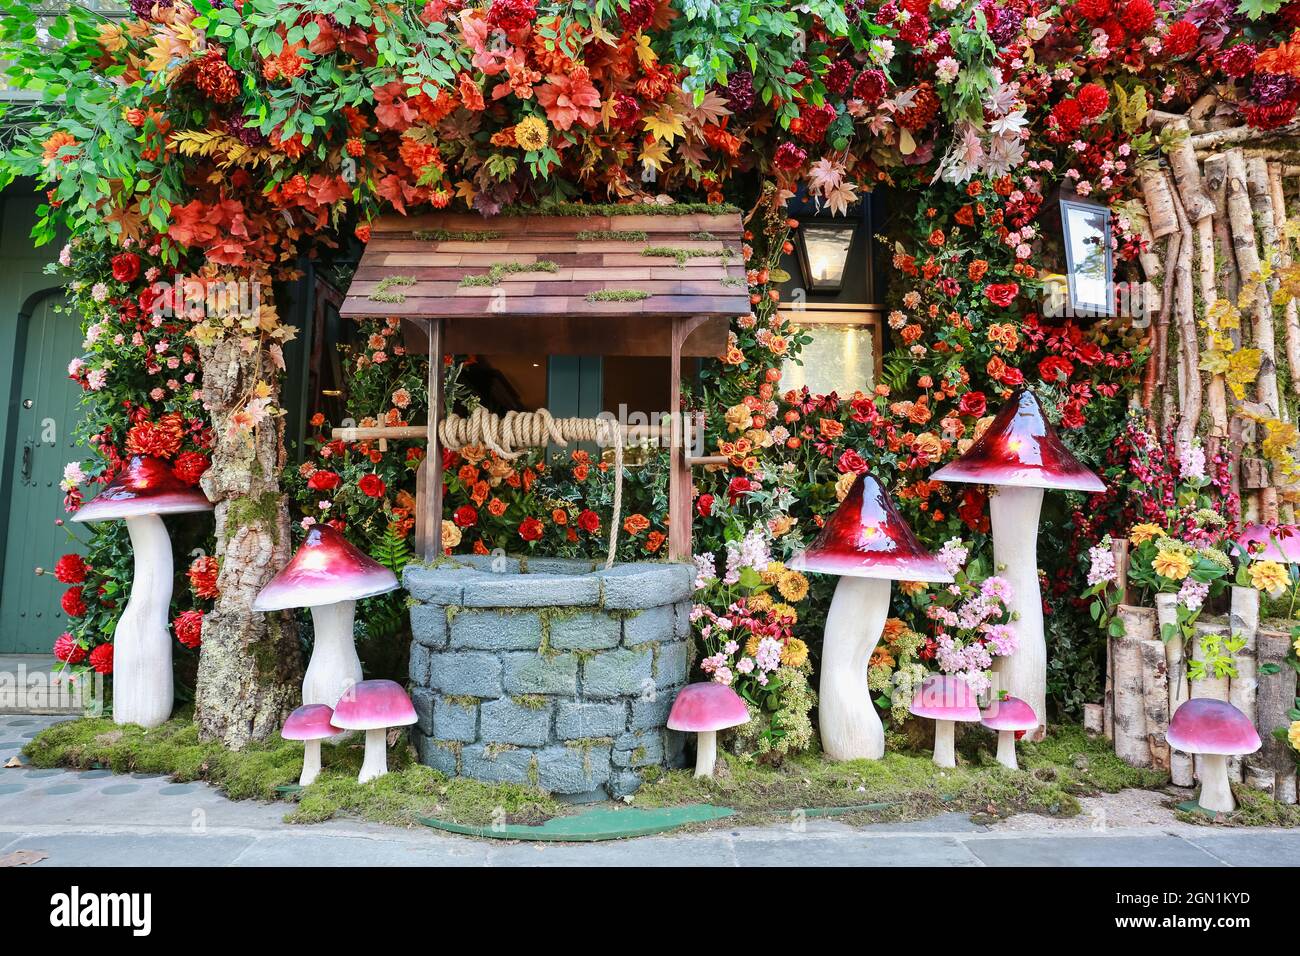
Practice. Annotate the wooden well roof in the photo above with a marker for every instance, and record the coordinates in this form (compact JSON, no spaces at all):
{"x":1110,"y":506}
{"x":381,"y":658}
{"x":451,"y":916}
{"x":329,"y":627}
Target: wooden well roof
{"x":541,"y":284}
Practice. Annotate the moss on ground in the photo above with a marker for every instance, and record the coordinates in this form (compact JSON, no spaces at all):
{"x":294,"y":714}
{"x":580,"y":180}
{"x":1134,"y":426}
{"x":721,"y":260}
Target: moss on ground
{"x":1254,"y":809}
{"x":905,"y":785}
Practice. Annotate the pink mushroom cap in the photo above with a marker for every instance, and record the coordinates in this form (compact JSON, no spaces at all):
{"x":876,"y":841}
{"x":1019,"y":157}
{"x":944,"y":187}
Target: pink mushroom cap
{"x":1280,"y":543}
{"x":1021,"y":449}
{"x":327,"y":569}
{"x":866,"y":537}
{"x":373,"y":704}
{"x":707,"y":706}
{"x":1204,"y":725}
{"x":1010,"y":713}
{"x":146,"y":486}
{"x":945,"y":697}
{"x":310,"y":722}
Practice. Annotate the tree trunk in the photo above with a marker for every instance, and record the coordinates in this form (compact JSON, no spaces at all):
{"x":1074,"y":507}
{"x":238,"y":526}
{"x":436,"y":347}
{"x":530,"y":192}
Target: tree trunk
{"x":1155,"y":701}
{"x":1241,"y":218}
{"x":1243,"y":621}
{"x":250,"y":668}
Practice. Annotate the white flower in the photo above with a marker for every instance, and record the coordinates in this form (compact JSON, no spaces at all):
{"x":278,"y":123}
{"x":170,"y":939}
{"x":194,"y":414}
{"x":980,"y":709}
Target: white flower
{"x":65,"y":256}
{"x":946,"y":70}
{"x":99,"y":292}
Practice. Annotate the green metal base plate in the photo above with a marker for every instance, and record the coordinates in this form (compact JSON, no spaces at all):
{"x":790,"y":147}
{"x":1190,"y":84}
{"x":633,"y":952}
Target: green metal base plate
{"x":596,"y":824}
{"x":1191,"y":806}
{"x":288,"y":789}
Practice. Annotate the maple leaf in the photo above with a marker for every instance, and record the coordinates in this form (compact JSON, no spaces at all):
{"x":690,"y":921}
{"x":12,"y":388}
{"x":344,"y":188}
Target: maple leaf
{"x":664,"y":125}
{"x":465,"y":190}
{"x":654,"y":154}
{"x":646,"y":55}
{"x":392,"y":108}
{"x":709,"y":111}
{"x":841,"y":198}
{"x":824,"y":175}
{"x":127,"y":219}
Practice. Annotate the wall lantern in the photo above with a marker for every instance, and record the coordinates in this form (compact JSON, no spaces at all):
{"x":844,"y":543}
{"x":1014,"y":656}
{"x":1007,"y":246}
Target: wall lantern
{"x":823,"y":249}
{"x":1085,"y":228}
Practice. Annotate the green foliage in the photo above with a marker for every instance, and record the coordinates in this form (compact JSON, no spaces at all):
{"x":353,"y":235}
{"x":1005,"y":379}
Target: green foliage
{"x":500,"y":270}
{"x":618,"y":295}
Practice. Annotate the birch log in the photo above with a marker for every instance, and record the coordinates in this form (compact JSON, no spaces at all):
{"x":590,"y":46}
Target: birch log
{"x":1180,"y":764}
{"x":1291,"y":316}
{"x":250,"y":667}
{"x":1243,"y":622}
{"x":1183,"y":164}
{"x":1241,"y":218}
{"x":1159,"y":204}
{"x":1155,"y":700}
{"x":1239,"y":134}
{"x":1129,"y":723}
{"x":1275,"y":695}
{"x":1189,"y":355}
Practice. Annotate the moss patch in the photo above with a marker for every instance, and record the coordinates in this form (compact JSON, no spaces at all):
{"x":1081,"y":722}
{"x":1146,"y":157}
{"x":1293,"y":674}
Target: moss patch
{"x":500,"y":270}
{"x":453,"y":235}
{"x":618,"y":295}
{"x":1053,"y":775}
{"x":612,"y":235}
{"x":1254,"y":809}
{"x":384,"y":291}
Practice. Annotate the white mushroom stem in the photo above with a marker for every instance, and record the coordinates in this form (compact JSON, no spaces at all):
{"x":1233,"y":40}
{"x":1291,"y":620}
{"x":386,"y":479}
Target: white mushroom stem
{"x":706,"y":752}
{"x":142,"y":642}
{"x":1013,"y":513}
{"x":945,"y":743}
{"x":850,"y":728}
{"x":1216,"y":792}
{"x":1007,"y":749}
{"x":310,"y":762}
{"x":334,"y":665}
{"x":376,"y":762}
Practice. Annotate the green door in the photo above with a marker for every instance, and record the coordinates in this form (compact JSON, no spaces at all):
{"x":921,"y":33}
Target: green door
{"x":42,"y":412}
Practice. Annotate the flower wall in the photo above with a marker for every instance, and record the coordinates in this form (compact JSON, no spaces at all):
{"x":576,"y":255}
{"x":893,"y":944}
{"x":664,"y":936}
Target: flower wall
{"x":224,"y":139}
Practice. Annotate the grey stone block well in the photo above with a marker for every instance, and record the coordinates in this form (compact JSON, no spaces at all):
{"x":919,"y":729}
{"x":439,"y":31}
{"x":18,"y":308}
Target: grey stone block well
{"x":548,"y":671}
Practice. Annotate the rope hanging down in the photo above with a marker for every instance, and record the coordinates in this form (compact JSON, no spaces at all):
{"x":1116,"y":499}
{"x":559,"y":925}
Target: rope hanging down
{"x":509,"y":436}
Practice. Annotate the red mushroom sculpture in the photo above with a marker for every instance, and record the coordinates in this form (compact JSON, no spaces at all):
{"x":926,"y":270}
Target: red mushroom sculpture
{"x":1021,"y":455}
{"x":310,"y":723}
{"x":945,"y":699}
{"x":1007,"y":716}
{"x":1216,"y":730}
{"x":374,"y":706}
{"x":327,"y":575}
{"x":704,"y":709}
{"x":142,"y":643}
{"x":868,"y":544}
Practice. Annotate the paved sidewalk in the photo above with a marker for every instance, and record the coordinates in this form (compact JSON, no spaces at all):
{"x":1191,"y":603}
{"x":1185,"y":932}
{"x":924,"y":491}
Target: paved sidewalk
{"x":94,"y":817}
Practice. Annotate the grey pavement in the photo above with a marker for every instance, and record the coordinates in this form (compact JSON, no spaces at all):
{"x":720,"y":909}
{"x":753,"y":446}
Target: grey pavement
{"x":90,"y":818}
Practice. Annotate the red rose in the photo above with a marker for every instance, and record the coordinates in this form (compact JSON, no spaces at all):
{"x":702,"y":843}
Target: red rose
{"x":323,"y":480}
{"x":851,"y":461}
{"x":1054,"y":368}
{"x":189,"y":628}
{"x":101,"y":659}
{"x":67,"y":649}
{"x":530,"y":529}
{"x":973,"y":404}
{"x":73,"y":603}
{"x":1011,"y":377}
{"x":126,"y":266}
{"x":589,"y":521}
{"x":704,"y":505}
{"x":1072,"y":415}
{"x":190,"y":466}
{"x":738,"y":487}
{"x":70,"y":569}
{"x":372,"y":486}
{"x":1002,"y":294}
{"x":465,"y":516}
{"x":971,"y":510}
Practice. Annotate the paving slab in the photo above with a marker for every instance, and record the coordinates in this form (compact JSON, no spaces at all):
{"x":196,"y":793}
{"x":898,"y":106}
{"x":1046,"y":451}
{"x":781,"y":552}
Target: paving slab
{"x":361,"y":851}
{"x":134,"y":849}
{"x":855,"y":850}
{"x":1244,"y":848}
{"x":694,"y":850}
{"x":1127,"y":851}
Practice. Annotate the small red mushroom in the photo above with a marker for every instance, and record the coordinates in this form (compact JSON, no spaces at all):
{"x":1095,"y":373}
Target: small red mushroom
{"x":704,"y":709}
{"x":374,"y":706}
{"x":310,"y":723}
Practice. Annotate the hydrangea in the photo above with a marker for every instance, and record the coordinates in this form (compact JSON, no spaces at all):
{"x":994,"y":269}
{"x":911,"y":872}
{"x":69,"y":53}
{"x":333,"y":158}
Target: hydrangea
{"x":1192,"y":594}
{"x":1102,"y":568}
{"x":952,"y":555}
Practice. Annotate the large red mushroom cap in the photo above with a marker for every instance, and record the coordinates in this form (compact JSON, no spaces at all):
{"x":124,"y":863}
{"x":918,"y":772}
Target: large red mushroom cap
{"x":310,"y":722}
{"x":327,"y":569}
{"x":1021,"y":449}
{"x":1205,"y":725}
{"x":372,"y":705}
{"x":866,"y":537}
{"x":945,"y":697}
{"x":1281,"y":543}
{"x":705,"y":707}
{"x":146,"y":486}
{"x":1009,"y":713}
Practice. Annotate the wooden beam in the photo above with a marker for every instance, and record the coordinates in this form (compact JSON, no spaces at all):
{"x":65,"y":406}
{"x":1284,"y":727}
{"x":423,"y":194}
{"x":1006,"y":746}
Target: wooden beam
{"x":381,"y":432}
{"x":679,"y":471}
{"x":433,"y":459}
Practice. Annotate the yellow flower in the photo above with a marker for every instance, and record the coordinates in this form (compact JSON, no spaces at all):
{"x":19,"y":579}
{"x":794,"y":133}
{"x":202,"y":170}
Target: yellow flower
{"x":532,"y":133}
{"x":781,"y":525}
{"x":795,"y":653}
{"x":1173,"y":565}
{"x":772,"y":573}
{"x":1142,"y":533}
{"x":786,"y":613}
{"x":1296,"y":646}
{"x":1293,"y":734}
{"x":1268,"y":576}
{"x":842,"y":485}
{"x":450,"y":534}
{"x":793,"y":586}
{"x":762,"y":601}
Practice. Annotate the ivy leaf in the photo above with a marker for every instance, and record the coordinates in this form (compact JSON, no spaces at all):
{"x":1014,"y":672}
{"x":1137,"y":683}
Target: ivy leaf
{"x":1254,"y":9}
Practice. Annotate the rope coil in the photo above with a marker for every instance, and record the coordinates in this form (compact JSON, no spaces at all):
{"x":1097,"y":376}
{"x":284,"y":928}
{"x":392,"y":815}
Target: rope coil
{"x":509,"y":436}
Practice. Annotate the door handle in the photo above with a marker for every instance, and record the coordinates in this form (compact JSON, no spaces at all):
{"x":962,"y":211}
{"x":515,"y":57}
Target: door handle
{"x":28,"y":452}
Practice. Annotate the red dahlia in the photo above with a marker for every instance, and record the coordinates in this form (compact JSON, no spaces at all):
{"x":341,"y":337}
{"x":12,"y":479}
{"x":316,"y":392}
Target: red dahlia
{"x":511,"y":14}
{"x":1094,"y":11}
{"x":1138,"y":16}
{"x":67,"y":649}
{"x":203,"y":577}
{"x":1093,"y":100}
{"x":870,"y":86}
{"x":189,"y":628}
{"x":1183,"y":37}
{"x":161,"y":439}
{"x":70,"y":569}
{"x":924,"y":108}
{"x":73,"y":603}
{"x":215,"y":78}
{"x":190,"y":466}
{"x":101,"y":659}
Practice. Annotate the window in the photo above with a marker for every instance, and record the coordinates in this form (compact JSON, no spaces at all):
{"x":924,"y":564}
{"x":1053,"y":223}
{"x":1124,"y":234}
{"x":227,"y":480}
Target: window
{"x":1086,"y":231}
{"x":845,"y":352}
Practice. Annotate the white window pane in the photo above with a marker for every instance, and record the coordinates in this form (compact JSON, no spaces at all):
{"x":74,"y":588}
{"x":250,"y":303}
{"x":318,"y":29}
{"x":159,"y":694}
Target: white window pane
{"x":840,"y":359}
